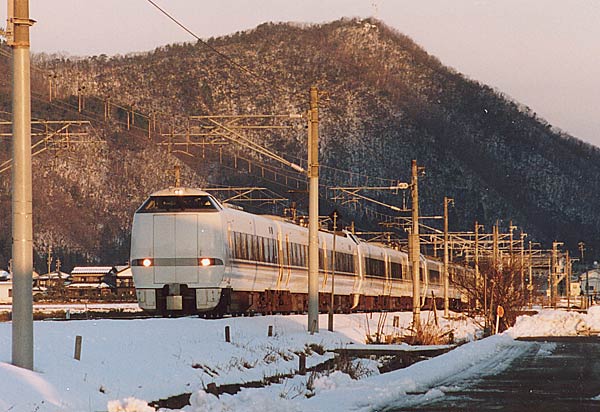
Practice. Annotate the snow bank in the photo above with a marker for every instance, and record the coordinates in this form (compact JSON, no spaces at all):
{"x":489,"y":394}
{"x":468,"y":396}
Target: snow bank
{"x":557,"y":323}
{"x":338,"y":392}
{"x":131,"y":362}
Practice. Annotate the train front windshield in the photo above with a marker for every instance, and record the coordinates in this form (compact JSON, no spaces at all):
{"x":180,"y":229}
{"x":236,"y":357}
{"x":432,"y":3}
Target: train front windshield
{"x":170,"y":204}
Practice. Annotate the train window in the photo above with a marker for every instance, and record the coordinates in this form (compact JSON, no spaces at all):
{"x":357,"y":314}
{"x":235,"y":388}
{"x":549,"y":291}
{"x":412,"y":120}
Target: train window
{"x":294,"y":254}
{"x":304,"y":252}
{"x":243,"y":246}
{"x":434,"y":276}
{"x":261,"y":255}
{"x":321,"y":259}
{"x":396,"y":270}
{"x":170,"y":204}
{"x":374,"y":267}
{"x":252,"y":247}
{"x":344,"y":262}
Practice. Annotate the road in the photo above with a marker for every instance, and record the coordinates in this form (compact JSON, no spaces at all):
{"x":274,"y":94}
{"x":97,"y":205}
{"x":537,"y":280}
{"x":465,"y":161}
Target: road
{"x":553,"y":374}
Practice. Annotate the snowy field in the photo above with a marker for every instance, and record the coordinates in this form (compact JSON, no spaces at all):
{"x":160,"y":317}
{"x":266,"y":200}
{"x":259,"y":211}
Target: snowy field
{"x":125,"y":364}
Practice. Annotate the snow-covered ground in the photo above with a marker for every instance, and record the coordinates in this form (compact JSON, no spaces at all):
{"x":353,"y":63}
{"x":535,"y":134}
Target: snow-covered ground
{"x":127,"y":363}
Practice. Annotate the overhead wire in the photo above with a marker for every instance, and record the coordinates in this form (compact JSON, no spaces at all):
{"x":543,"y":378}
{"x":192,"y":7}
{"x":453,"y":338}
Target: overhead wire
{"x":229,"y":60}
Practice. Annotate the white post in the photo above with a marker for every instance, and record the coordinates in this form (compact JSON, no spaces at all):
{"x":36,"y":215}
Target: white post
{"x":313,"y":213}
{"x":22,"y":227}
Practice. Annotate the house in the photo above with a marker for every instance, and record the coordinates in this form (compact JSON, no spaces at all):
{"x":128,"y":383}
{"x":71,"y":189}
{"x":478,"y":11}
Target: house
{"x":92,"y":281}
{"x":52,"y":280}
{"x":5,"y":291}
{"x":125,"y":286}
{"x":591,"y":278}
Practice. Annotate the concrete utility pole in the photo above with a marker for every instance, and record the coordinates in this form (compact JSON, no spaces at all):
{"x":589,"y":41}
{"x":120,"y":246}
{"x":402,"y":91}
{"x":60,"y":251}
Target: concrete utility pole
{"x":22,"y":227}
{"x":313,"y":212}
{"x":523,"y":235}
{"x":530,"y":286}
{"x":334,"y":216}
{"x":446,"y":258}
{"x":568,"y":279}
{"x":478,"y":277}
{"x":415,"y":246}
{"x":581,"y":246}
{"x":554,"y":274}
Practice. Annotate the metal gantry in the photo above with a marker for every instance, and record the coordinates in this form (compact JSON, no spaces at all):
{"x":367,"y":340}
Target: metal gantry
{"x":52,"y":135}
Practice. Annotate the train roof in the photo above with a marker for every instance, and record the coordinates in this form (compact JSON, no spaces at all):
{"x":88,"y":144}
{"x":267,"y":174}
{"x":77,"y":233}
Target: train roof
{"x":181,"y":191}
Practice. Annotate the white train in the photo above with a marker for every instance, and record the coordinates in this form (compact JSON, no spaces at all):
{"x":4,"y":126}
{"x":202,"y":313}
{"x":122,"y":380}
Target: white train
{"x":192,"y":254}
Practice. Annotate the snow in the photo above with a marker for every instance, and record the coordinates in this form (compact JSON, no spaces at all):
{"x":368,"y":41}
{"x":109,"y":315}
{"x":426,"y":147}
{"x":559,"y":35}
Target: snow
{"x":126,"y":364}
{"x":558,"y":323}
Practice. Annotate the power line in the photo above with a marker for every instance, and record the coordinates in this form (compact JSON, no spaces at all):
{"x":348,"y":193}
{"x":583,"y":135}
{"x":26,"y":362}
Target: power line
{"x":232,"y":62}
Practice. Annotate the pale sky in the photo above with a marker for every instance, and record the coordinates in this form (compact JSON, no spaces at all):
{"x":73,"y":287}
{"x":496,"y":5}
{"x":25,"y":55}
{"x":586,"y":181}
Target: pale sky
{"x":543,"y":53}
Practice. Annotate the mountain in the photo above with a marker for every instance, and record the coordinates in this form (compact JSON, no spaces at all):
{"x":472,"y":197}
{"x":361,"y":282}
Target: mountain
{"x":386,"y":101}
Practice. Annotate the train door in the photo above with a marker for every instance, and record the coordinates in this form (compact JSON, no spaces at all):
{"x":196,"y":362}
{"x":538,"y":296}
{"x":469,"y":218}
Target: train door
{"x":164,"y":247}
{"x":175,"y":242}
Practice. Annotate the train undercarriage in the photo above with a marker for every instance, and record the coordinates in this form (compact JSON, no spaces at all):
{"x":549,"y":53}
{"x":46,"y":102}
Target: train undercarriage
{"x":285,"y":302}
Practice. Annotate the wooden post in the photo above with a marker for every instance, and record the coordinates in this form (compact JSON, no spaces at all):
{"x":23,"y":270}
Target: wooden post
{"x":270,"y":333}
{"x":302,"y":364}
{"x":212,"y":389}
{"x":77,"y":354}
{"x":227,"y":334}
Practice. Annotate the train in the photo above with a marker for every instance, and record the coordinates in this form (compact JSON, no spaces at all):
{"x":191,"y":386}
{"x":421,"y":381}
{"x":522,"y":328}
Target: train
{"x":192,"y":254}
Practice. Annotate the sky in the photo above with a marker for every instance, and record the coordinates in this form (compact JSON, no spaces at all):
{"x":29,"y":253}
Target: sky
{"x":542,"y":53}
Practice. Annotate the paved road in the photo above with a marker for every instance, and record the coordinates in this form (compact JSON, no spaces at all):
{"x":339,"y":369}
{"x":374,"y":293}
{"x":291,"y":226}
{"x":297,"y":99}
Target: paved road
{"x":554,"y":374}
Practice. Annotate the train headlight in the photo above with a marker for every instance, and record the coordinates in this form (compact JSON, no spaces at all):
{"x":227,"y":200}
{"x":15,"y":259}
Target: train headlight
{"x":209,"y":262}
{"x":146,"y":262}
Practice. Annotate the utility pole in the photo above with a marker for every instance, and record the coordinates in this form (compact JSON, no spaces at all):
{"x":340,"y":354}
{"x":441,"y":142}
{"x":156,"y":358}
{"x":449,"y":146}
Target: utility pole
{"x":530,"y":288}
{"x":581,"y":246}
{"x":477,"y":275}
{"x":22,"y":228}
{"x":523,"y":235}
{"x":496,"y":252}
{"x":568,"y":280}
{"x":446,"y":258}
{"x":313,"y":212}
{"x":415,"y":247}
{"x":334,"y":215}
{"x":49,"y":260}
{"x":553,"y":274}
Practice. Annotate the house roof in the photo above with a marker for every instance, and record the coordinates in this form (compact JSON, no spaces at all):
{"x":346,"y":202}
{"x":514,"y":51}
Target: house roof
{"x":53,"y":275}
{"x":125,"y":273}
{"x":100,"y":270}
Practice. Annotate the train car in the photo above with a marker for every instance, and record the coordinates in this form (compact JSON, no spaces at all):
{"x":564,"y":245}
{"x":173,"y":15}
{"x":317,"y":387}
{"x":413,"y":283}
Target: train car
{"x":192,"y":254}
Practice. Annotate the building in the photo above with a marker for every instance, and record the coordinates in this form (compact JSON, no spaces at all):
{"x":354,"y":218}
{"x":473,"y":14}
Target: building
{"x":125,"y":286}
{"x":591,"y":278}
{"x":92,"y":282}
{"x":52,"y":280}
{"x":5,"y":291}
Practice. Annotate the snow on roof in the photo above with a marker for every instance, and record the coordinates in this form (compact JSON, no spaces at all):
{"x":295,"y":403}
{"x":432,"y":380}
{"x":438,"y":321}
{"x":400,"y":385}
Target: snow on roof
{"x":92,"y":269}
{"x":88,"y":285}
{"x":53,"y":275}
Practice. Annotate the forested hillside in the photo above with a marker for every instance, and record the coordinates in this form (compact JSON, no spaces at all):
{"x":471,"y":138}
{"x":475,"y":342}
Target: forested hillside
{"x":386,"y":102}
